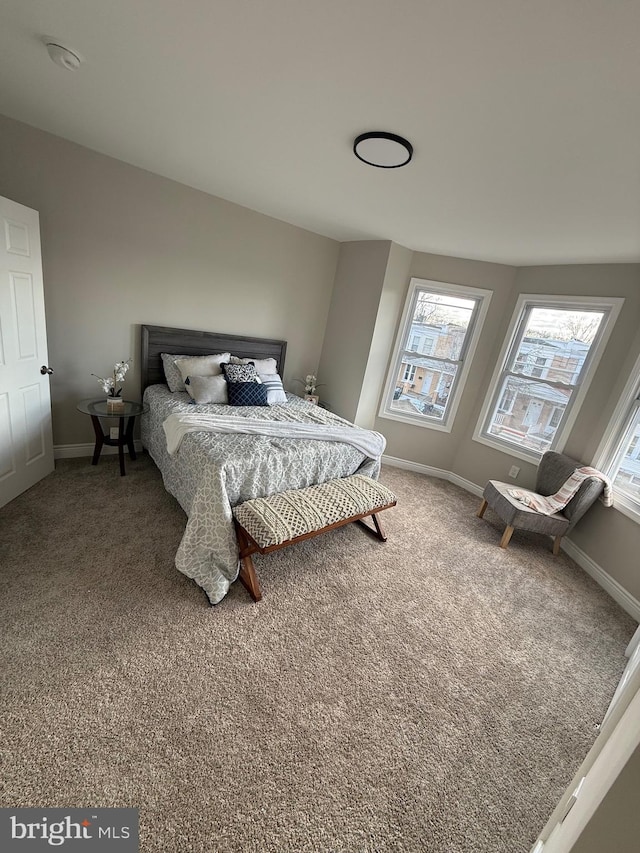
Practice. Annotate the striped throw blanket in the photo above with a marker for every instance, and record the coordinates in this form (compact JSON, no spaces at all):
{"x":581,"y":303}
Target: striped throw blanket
{"x":554,"y":503}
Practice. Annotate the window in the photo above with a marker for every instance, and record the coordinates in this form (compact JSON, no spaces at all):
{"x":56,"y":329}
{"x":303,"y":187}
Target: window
{"x":409,"y":373}
{"x":438,"y":334}
{"x":506,"y":401}
{"x":538,"y":368}
{"x":556,"y":417}
{"x":544,"y":370}
{"x":619,"y":454}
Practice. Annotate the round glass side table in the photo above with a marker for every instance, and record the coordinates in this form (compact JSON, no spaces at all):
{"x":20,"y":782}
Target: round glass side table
{"x":126,"y":415}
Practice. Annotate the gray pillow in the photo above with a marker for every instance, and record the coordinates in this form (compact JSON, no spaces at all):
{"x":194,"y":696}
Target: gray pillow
{"x":171,"y":372}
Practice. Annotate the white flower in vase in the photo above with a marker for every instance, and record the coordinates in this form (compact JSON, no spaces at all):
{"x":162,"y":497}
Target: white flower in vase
{"x":310,"y":383}
{"x":112,"y":385}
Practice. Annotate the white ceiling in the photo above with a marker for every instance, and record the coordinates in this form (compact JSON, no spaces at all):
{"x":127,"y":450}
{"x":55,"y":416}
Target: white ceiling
{"x":524,"y":116}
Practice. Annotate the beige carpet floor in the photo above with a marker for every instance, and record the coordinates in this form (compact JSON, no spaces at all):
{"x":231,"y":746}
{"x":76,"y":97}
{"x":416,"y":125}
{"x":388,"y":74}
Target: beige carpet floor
{"x":434,"y":693}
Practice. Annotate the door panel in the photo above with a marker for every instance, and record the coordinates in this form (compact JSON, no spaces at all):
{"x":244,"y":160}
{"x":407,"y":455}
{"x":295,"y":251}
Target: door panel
{"x":24,"y":313}
{"x":32,"y":406}
{"x":7,"y":464}
{"x":26,"y":441}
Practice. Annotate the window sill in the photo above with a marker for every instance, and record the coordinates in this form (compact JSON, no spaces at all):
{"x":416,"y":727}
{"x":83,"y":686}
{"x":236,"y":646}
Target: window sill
{"x":626,"y":506}
{"x":415,"y":421}
{"x":510,"y":449}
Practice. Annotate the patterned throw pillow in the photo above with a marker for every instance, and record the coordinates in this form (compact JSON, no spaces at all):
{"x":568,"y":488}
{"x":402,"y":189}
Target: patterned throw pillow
{"x":171,"y":371}
{"x":275,"y":390}
{"x":240,"y":372}
{"x":247,"y":394}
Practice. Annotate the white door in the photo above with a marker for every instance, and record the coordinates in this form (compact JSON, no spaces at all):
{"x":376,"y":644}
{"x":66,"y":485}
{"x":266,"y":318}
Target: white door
{"x":26,"y":440}
{"x":532,"y":415}
{"x":615,"y":745}
{"x":584,"y":798}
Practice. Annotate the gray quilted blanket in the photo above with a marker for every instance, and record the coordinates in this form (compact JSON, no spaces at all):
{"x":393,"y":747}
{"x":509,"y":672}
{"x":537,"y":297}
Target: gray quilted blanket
{"x":211,"y":473}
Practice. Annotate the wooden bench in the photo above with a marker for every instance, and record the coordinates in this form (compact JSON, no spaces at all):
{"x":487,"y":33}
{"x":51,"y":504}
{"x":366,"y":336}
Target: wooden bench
{"x":268,"y":524}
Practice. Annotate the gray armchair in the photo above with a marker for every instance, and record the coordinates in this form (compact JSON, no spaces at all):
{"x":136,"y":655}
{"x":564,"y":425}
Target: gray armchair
{"x":554,"y":470}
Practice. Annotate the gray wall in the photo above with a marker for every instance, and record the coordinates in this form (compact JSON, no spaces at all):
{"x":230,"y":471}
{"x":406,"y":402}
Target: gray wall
{"x":368,"y":295}
{"x":389,"y":309}
{"x":122,"y":247}
{"x":609,"y":538}
{"x":350,"y":325}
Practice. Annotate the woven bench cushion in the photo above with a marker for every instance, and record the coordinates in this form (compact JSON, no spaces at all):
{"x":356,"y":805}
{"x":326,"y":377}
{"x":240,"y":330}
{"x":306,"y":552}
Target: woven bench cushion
{"x":284,"y":516}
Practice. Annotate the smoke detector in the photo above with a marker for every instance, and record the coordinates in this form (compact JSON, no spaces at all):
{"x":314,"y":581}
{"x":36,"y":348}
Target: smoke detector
{"x":63,"y":56}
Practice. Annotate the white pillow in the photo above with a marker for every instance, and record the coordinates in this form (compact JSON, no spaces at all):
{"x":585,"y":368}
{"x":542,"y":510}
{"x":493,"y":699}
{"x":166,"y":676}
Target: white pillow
{"x":275,"y":390}
{"x":202,"y":365}
{"x":263,"y":365}
{"x":207,"y":389}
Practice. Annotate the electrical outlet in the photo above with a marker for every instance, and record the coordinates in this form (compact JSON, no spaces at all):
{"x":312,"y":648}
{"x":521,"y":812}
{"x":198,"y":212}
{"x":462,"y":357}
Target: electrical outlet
{"x":514,"y":471}
{"x":113,"y":432}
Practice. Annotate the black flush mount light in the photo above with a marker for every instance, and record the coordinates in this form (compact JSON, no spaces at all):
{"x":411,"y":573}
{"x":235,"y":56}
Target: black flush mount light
{"x":384,"y":150}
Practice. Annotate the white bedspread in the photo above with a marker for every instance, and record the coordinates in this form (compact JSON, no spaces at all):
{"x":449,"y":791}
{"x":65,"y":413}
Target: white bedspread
{"x":177,"y":425}
{"x":213,"y":472}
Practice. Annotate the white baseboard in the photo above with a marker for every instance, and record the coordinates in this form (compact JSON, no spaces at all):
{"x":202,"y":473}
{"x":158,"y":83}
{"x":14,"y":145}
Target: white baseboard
{"x":609,"y":584}
{"x":466,"y":484}
{"x":396,"y":462}
{"x":73,"y":451}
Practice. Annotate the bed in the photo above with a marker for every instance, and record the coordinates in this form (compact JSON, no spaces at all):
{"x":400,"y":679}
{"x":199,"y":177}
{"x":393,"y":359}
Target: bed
{"x":210,"y":473}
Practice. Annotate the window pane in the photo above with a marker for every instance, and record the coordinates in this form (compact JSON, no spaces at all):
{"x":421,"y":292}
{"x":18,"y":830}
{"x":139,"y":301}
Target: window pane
{"x":528,"y":413}
{"x":627,"y":478}
{"x":427,"y":391}
{"x":555,"y":343}
{"x":440,"y":324}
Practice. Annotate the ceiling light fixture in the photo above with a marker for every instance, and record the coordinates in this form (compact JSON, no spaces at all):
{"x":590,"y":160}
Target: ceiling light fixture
{"x":384,"y":150}
{"x":63,"y":56}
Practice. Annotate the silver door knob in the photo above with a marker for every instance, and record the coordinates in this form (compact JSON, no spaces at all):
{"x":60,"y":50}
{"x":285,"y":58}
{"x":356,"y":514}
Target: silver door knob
{"x":44,"y":370}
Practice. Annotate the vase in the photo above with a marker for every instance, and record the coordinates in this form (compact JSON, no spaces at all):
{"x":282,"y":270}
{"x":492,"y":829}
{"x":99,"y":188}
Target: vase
{"x":115,"y":404}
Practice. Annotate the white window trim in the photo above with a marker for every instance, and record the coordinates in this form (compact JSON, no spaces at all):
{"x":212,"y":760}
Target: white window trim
{"x":484,"y":298}
{"x":607,"y":449}
{"x":612,"y":304}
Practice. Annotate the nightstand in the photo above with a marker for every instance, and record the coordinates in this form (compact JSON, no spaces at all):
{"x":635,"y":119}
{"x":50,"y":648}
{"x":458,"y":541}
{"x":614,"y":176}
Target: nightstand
{"x":97,"y":409}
